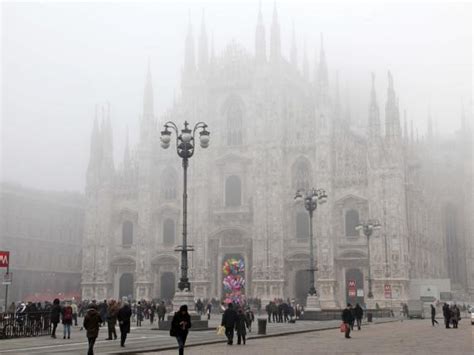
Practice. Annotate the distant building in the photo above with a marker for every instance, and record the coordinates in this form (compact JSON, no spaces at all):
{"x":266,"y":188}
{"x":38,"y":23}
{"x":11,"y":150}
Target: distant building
{"x":276,"y":129}
{"x":43,"y":231}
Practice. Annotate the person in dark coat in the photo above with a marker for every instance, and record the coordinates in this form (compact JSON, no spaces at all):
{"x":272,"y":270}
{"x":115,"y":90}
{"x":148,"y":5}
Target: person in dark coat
{"x":180,"y":327}
{"x":229,"y":318}
{"x":455,"y":315}
{"x":161,"y":310}
{"x":92,"y":322}
{"x":433,"y":315}
{"x":446,"y":315}
{"x":347,"y":319}
{"x":55,"y":315}
{"x":103,"y":311}
{"x":358,"y":314}
{"x":124,"y":314}
{"x":112,"y":310}
{"x":240,"y":326}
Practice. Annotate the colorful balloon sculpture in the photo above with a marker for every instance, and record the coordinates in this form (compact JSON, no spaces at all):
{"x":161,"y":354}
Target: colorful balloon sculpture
{"x":234,"y":281}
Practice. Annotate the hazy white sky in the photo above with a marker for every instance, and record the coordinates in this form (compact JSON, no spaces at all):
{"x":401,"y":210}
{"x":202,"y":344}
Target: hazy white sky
{"x":61,"y":58}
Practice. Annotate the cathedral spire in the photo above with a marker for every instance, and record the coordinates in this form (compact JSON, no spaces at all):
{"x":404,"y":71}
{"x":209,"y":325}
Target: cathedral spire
{"x":323,"y":81}
{"x":405,"y":127}
{"x":392,"y":115}
{"x":275,"y":42}
{"x":305,"y":63}
{"x":189,"y":58}
{"x":203,"y":59}
{"x":293,"y":53}
{"x":126,"y":153}
{"x":374,"y":113}
{"x":260,"y":44}
{"x":148,"y":107}
{"x":337,"y":99}
{"x":95,"y":152}
{"x":107,"y":142}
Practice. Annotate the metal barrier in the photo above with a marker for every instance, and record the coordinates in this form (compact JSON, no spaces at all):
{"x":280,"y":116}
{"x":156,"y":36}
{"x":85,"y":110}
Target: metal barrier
{"x":24,"y":325}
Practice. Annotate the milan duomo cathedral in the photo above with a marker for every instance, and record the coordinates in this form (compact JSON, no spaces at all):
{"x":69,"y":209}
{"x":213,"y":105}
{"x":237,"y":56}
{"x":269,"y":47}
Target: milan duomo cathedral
{"x":275,"y":129}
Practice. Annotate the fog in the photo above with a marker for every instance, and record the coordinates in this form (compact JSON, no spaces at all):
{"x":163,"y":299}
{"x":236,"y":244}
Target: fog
{"x":60,"y":59}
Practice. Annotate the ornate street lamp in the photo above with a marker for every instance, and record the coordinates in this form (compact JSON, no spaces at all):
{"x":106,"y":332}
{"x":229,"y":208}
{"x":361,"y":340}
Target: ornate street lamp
{"x":185,"y":144}
{"x":368,"y":229}
{"x":311,"y":199}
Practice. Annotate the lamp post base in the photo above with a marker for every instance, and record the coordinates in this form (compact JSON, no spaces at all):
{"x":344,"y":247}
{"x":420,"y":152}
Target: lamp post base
{"x":312,"y":303}
{"x":184,"y":297}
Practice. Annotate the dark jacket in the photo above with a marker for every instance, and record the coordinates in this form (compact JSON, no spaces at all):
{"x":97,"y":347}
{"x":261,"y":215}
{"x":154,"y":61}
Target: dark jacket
{"x":241,"y":324}
{"x":180,"y":329}
{"x":92,"y":323}
{"x":358,"y":312}
{"x":229,"y":318}
{"x":123,"y":316}
{"x":433,"y":311}
{"x":55,"y":313}
{"x":347,"y":316}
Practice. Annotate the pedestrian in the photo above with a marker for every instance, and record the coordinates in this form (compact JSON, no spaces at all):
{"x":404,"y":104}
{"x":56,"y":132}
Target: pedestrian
{"x":250,"y":318}
{"x":123,"y":316}
{"x":161,"y":310}
{"x":268,"y":309}
{"x":55,"y":314}
{"x":446,"y":315}
{"x":433,"y":316}
{"x":180,"y":327}
{"x":347,"y":319}
{"x":112,"y":311}
{"x":229,"y":319}
{"x":358,"y":314}
{"x":240,"y":326}
{"x":455,"y":315}
{"x":67,"y":320}
{"x":74,"y":313}
{"x":152,"y":312}
{"x":92,"y":322}
{"x":103,"y":311}
{"x":209,"y":310}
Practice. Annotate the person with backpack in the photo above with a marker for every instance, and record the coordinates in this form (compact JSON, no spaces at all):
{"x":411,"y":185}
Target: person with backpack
{"x":123,"y":316}
{"x":92,"y":322}
{"x":180,"y":327}
{"x":67,"y":320}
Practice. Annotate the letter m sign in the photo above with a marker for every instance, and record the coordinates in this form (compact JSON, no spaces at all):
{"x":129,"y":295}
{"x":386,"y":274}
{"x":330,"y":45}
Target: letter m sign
{"x":4,"y":258}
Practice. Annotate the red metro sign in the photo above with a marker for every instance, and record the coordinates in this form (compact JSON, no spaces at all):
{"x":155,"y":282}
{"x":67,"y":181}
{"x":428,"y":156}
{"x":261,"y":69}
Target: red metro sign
{"x":4,"y":258}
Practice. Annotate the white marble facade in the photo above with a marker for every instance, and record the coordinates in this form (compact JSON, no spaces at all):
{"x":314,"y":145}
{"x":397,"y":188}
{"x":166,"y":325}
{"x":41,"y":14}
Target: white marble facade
{"x":273,"y":129}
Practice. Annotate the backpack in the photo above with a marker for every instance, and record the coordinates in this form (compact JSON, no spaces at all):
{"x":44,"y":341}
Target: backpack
{"x":67,"y":313}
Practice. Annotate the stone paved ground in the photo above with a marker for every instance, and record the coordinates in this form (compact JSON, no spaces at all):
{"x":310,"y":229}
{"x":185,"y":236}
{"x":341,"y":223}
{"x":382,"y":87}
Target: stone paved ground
{"x":408,"y":337}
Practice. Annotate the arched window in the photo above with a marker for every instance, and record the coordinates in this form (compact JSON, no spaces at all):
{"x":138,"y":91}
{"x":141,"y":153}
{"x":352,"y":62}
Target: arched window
{"x":234,"y":113}
{"x":127,"y":233}
{"x":233,"y":191}
{"x":169,"y":180}
{"x":302,"y":225}
{"x":168,"y":231}
{"x":352,"y":220}
{"x":301,"y":175}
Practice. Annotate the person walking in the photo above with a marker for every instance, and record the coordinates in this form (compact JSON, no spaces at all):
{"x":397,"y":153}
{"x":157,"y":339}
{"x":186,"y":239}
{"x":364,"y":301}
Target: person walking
{"x":209,"y":310}
{"x":433,"y":315}
{"x":161,"y":310}
{"x":103,"y":311}
{"x":124,"y":314}
{"x":347,"y":319}
{"x":74,"y":313}
{"x":240,"y":326}
{"x":67,"y":320}
{"x":92,"y":322}
{"x":446,"y":315}
{"x":229,"y":319}
{"x":112,"y":311}
{"x":250,"y":318}
{"x":455,"y":315}
{"x":358,"y":314}
{"x":180,"y":327}
{"x":55,"y":314}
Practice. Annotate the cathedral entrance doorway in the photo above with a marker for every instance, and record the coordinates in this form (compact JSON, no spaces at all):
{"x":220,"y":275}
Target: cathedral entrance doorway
{"x":126,"y":285}
{"x":167,"y":286}
{"x":301,"y":286}
{"x":354,"y":286}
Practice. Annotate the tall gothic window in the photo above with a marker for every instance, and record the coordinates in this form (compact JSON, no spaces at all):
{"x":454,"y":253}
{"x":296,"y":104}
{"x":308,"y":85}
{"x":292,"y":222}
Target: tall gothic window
{"x":168,"y":231}
{"x":168,"y":184}
{"x":301,"y":174}
{"x":127,"y":233}
{"x":302,"y":225}
{"x":233,"y":191}
{"x":234,"y":114}
{"x":352,"y":220}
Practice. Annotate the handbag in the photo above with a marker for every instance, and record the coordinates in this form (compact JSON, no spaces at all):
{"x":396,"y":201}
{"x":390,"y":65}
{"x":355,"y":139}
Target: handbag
{"x":343,"y":327}
{"x":220,"y":330}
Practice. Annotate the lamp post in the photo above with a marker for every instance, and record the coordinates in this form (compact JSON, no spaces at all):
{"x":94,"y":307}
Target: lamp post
{"x":185,"y":144}
{"x":368,"y":229}
{"x":311,"y":199}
